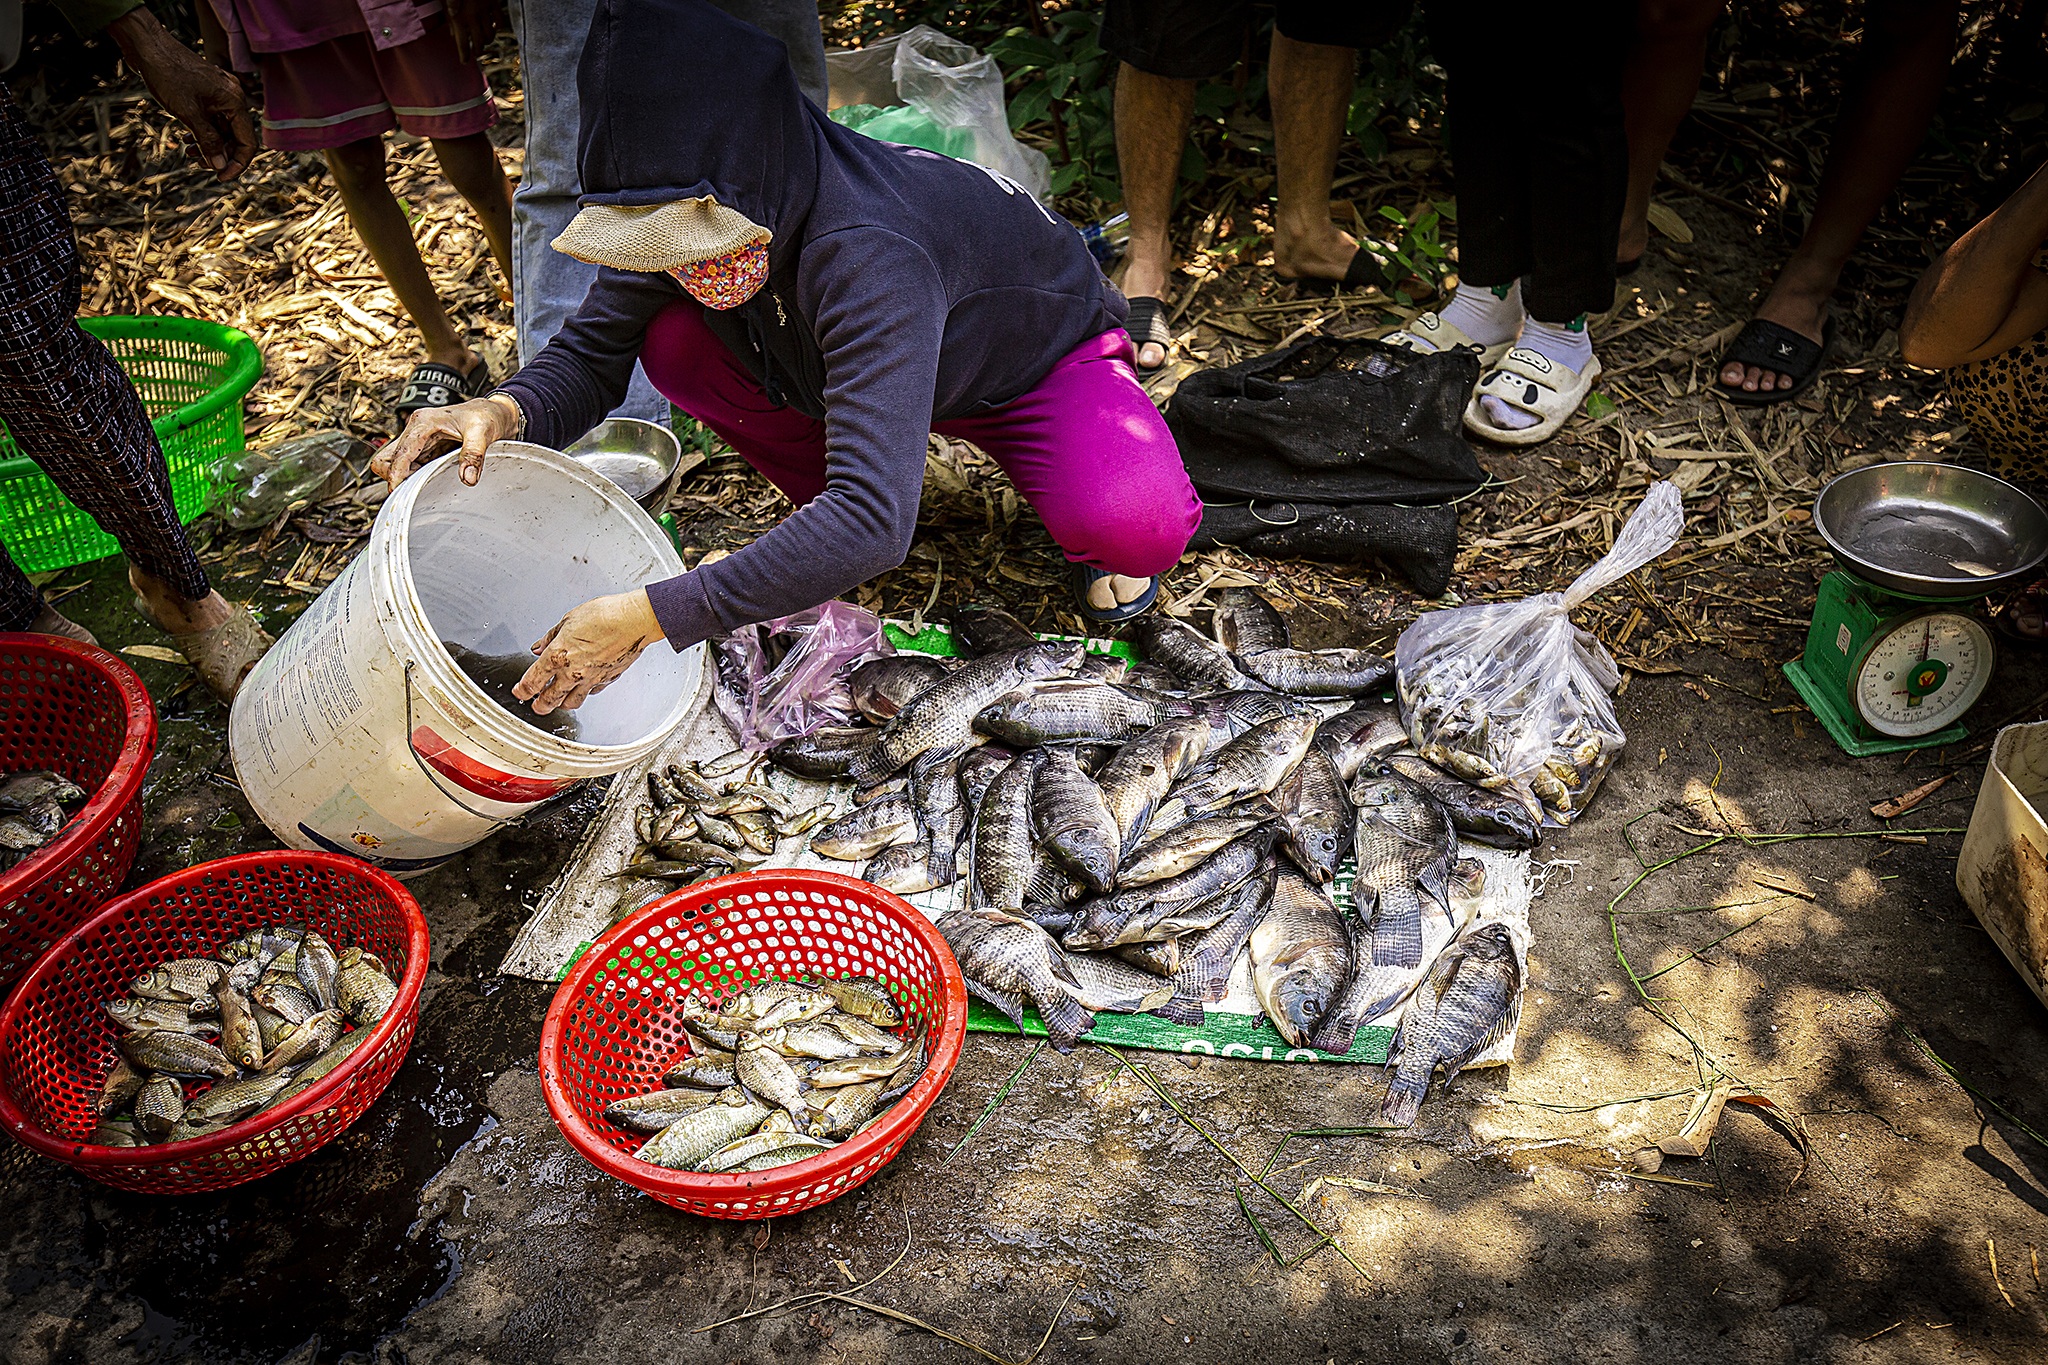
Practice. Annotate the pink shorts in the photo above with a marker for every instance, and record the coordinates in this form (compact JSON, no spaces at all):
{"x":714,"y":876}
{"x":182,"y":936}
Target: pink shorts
{"x":345,"y":89}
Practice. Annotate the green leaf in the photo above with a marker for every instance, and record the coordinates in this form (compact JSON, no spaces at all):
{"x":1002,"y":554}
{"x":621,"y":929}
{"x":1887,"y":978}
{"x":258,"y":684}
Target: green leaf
{"x":1599,"y":405}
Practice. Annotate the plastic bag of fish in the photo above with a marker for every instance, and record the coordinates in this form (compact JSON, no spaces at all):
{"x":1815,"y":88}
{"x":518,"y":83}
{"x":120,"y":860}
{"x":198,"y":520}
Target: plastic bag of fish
{"x":782,"y":1072}
{"x":34,"y":808}
{"x":209,"y":1041}
{"x":1513,"y":696}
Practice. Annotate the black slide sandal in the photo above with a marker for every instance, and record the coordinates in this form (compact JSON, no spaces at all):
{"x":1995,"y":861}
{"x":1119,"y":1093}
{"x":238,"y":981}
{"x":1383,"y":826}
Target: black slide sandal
{"x":1147,"y":323}
{"x":1769,"y":346}
{"x":434,"y":385}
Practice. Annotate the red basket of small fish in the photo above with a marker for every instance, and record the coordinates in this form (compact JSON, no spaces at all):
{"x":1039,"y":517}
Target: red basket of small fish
{"x":217,"y":1024}
{"x":754,"y":1045}
{"x":77,"y":732}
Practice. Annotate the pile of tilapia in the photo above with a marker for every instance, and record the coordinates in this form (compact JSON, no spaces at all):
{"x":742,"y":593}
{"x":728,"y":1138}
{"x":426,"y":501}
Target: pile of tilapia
{"x":1129,"y":830}
{"x":700,"y":819}
{"x":208,"y":1041}
{"x":780,"y":1073}
{"x":33,"y":811}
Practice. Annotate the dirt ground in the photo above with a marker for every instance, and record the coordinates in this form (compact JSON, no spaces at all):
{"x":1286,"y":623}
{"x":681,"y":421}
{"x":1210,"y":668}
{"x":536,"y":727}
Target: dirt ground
{"x":1854,"y":1219}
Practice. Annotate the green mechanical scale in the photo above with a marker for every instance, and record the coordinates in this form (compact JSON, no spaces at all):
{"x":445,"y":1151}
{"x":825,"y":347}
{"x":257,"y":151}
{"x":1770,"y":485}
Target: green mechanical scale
{"x":1885,"y":671}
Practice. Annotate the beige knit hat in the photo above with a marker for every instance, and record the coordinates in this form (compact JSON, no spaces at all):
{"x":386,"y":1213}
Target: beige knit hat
{"x":658,"y":236}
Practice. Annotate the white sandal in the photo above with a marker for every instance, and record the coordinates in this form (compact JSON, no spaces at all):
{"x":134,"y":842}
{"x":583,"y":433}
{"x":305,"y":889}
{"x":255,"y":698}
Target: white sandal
{"x":1438,"y":335}
{"x":1533,"y":383}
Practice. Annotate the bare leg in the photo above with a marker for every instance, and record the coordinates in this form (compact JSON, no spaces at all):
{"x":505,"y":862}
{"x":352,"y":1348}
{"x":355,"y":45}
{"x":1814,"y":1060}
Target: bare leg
{"x":1152,"y":114}
{"x":359,"y":174}
{"x":471,"y":165}
{"x":1905,"y":58}
{"x":1657,"y":90}
{"x":177,"y":615}
{"x":1310,"y":88}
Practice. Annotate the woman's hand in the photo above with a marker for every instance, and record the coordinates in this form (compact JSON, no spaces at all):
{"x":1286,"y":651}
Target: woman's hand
{"x":587,"y":650}
{"x":473,"y":426}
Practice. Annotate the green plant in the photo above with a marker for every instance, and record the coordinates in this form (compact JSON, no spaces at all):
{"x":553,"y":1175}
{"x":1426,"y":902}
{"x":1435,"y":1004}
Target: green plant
{"x":1063,"y":76}
{"x":1415,"y":251}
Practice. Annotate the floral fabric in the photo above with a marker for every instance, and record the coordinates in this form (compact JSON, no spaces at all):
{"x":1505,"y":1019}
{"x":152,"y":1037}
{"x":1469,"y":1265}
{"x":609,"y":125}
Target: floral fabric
{"x":726,"y":281}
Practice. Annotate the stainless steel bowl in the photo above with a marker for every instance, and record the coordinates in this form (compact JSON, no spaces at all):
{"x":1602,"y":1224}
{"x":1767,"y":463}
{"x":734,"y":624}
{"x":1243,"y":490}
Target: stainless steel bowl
{"x":643,"y":458}
{"x":1931,"y":530}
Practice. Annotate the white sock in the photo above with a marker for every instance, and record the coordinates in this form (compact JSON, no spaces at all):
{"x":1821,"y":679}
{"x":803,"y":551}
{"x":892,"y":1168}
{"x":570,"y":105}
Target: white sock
{"x":1489,"y":315}
{"x":1561,"y":343}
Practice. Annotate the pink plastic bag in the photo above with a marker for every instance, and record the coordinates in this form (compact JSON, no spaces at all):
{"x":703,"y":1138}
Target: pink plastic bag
{"x":788,"y":676}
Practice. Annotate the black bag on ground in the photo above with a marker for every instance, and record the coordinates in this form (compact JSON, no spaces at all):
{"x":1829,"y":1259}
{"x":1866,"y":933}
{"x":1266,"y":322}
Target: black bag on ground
{"x":1330,"y":421}
{"x":1421,"y":542}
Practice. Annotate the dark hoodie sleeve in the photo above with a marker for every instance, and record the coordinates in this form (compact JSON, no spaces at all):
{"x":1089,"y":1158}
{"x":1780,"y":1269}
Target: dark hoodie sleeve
{"x":880,"y":317}
{"x":582,"y":374}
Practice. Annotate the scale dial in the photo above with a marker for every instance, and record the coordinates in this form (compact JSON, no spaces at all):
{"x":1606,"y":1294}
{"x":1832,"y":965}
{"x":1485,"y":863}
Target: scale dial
{"x":1920,"y":671}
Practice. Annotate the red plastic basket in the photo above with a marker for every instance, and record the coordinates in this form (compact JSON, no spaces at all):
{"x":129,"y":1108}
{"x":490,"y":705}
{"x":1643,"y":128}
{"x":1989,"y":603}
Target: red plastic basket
{"x":614,"y":1025}
{"x":77,"y":710}
{"x":57,"y":1044}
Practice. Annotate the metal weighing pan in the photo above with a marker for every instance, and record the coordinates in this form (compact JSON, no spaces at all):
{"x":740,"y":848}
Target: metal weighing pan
{"x":1931,"y":530}
{"x":643,"y":458}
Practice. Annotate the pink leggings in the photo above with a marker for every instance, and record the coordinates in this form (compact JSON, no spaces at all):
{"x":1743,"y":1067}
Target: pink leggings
{"x":1086,"y":448}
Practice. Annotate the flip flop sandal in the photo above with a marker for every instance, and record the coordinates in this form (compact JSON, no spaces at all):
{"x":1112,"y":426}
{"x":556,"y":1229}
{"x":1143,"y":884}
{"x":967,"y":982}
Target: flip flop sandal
{"x":221,"y":655}
{"x":1534,"y":383}
{"x":1085,"y":577}
{"x":1768,"y":346}
{"x":1434,"y":334}
{"x":1362,"y":273}
{"x":434,"y":385}
{"x":1147,"y":324}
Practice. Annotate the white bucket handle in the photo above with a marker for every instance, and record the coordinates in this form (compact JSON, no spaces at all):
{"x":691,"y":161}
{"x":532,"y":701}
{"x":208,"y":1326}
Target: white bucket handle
{"x":442,"y":787}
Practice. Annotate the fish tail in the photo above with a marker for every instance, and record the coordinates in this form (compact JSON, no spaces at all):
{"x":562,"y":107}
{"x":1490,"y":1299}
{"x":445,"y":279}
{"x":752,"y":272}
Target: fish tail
{"x":1403,"y":1100}
{"x":1066,"y":1019}
{"x":1336,"y":1033}
{"x":1185,"y":1006}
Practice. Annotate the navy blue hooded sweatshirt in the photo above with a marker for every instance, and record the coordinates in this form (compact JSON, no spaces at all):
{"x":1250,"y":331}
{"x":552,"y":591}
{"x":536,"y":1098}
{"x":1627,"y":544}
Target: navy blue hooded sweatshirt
{"x":904,"y":288}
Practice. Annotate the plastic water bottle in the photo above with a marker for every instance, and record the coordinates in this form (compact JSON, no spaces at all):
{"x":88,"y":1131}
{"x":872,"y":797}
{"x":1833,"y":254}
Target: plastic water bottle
{"x":1106,"y":240}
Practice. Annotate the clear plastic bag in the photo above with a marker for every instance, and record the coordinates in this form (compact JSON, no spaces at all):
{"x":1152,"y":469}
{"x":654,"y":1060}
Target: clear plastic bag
{"x":253,"y":488}
{"x":954,"y":86}
{"x":788,"y":676}
{"x":1513,"y":696}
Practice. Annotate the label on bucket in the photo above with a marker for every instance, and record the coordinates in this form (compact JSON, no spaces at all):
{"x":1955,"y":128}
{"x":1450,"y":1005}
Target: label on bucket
{"x":312,"y":695}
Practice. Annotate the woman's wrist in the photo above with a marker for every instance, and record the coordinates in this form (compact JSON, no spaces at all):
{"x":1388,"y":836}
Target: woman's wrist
{"x":642,"y":607}
{"x":511,"y":407}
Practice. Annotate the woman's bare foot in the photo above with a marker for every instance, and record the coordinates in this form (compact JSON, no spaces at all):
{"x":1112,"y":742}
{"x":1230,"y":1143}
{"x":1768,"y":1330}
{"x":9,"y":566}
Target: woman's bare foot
{"x":50,"y":621}
{"x":1798,"y":300}
{"x":1107,"y":594}
{"x":174,"y":614}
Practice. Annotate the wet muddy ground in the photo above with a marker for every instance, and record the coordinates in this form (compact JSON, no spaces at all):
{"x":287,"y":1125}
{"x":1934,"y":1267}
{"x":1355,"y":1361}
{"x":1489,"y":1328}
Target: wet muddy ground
{"x":453,"y":1224}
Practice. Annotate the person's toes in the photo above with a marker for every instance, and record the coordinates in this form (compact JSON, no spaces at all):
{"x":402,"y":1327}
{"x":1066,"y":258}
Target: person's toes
{"x":1151,"y":355}
{"x":1102,"y":595}
{"x":1732,"y":375}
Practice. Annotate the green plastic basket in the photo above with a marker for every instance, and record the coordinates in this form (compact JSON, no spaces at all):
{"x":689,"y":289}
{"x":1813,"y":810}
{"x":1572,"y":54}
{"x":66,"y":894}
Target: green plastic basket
{"x":192,"y":376}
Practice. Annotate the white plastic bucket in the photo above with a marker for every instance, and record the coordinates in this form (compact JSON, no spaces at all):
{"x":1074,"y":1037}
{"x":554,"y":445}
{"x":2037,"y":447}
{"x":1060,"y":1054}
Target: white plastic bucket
{"x":358,"y":734}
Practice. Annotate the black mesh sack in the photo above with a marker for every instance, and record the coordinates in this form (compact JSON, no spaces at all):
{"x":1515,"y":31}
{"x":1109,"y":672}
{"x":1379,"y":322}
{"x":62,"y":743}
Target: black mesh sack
{"x":1330,"y":421}
{"x":1421,"y":542}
